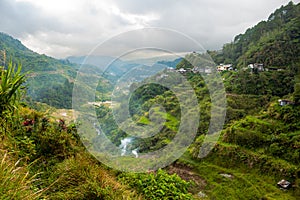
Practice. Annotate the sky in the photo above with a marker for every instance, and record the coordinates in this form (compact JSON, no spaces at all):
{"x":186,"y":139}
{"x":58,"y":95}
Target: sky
{"x":62,"y":28}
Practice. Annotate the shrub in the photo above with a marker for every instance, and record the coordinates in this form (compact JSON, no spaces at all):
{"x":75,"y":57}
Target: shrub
{"x":160,"y":185}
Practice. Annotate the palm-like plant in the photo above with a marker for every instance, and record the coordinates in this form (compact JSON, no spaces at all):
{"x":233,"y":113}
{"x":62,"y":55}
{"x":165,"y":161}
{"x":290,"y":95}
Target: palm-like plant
{"x":11,"y":81}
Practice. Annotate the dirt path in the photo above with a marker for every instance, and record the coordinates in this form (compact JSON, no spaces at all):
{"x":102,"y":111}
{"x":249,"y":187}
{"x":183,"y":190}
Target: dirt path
{"x":187,"y":174}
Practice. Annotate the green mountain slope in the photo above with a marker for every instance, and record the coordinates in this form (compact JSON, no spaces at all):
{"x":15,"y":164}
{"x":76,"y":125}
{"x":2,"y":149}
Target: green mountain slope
{"x":274,"y":42}
{"x":49,"y":80}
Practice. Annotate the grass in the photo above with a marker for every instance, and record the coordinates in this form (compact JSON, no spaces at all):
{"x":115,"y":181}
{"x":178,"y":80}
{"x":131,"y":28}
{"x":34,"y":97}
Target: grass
{"x":80,"y":177}
{"x":15,"y":181}
{"x":246,"y":183}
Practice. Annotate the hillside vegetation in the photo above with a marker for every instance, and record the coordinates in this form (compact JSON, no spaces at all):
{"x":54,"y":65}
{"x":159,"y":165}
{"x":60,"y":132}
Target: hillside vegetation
{"x":274,"y":43}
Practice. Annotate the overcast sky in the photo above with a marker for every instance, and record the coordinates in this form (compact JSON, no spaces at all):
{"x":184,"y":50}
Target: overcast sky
{"x":62,"y":28}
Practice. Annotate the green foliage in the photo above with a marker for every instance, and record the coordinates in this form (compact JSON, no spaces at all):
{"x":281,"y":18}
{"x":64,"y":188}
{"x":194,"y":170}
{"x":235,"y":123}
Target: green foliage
{"x":239,"y":106}
{"x":274,"y":42}
{"x":287,"y":114}
{"x":64,"y":170}
{"x":195,"y":60}
{"x":275,"y":134}
{"x":59,"y":96}
{"x":297,"y":93}
{"x":245,"y":181}
{"x":11,"y":80}
{"x":79,"y":178}
{"x":297,"y":88}
{"x":184,"y":64}
{"x":143,"y":94}
{"x":275,"y":83}
{"x":15,"y":181}
{"x":158,"y":185}
{"x":35,"y":136}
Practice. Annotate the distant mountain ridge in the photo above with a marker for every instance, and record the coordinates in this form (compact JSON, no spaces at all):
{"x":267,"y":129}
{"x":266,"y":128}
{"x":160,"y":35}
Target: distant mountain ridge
{"x":49,"y":80}
{"x":30,"y":60}
{"x":113,"y":68}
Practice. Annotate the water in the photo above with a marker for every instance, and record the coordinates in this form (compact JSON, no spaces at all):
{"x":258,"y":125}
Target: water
{"x":125,"y":144}
{"x":124,"y":147}
{"x":134,"y":152}
{"x":97,"y":129}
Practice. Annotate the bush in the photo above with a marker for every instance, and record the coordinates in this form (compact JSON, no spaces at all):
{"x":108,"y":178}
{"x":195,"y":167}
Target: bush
{"x":80,"y":177}
{"x":159,"y":185}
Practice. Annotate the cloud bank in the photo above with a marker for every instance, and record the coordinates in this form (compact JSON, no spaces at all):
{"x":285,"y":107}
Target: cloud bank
{"x":61,"y":28}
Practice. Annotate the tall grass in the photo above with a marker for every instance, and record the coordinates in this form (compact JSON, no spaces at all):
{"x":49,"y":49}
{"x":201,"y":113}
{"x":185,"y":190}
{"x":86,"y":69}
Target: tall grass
{"x":15,"y":181}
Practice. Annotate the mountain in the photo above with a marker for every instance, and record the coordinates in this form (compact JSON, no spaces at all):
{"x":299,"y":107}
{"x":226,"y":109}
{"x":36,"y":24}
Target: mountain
{"x":114,"y":68}
{"x":171,"y":64}
{"x":49,"y":80}
{"x":30,"y":60}
{"x":274,"y":43}
{"x":100,"y":61}
{"x":111,"y":68}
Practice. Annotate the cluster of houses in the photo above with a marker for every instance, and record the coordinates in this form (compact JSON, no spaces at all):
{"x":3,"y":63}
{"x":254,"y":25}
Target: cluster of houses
{"x":195,"y":70}
{"x":259,"y":67}
{"x":222,"y":67}
{"x":255,"y":67}
{"x":207,"y":69}
{"x":284,"y":102}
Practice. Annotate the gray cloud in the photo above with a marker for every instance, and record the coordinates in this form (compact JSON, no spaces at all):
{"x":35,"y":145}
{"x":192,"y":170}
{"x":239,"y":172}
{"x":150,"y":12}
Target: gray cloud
{"x":75,"y":27}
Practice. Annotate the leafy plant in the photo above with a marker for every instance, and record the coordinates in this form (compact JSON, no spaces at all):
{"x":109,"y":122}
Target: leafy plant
{"x":11,"y":81}
{"x":159,"y":185}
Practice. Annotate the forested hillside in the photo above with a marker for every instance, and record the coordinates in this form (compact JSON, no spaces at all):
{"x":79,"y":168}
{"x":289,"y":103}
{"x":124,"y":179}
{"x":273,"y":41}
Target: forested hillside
{"x":49,"y":80}
{"x":274,"y":42}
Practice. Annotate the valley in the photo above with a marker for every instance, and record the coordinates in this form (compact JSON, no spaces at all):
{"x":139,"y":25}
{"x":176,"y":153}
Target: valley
{"x":81,"y":127}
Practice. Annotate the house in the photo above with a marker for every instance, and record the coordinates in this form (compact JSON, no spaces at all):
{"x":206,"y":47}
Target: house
{"x":259,"y":67}
{"x":208,"y":70}
{"x":181,"y":70}
{"x":284,"y":184}
{"x":223,"y":67}
{"x":284,"y":102}
{"x":273,"y":69}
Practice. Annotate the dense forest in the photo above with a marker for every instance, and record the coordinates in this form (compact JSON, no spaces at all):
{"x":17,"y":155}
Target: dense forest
{"x":44,"y":157}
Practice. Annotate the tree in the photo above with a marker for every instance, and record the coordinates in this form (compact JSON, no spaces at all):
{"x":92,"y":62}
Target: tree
{"x":297,"y":93}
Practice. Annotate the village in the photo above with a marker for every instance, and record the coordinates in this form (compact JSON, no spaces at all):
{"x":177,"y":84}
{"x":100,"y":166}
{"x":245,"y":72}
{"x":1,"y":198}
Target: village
{"x":253,"y":68}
